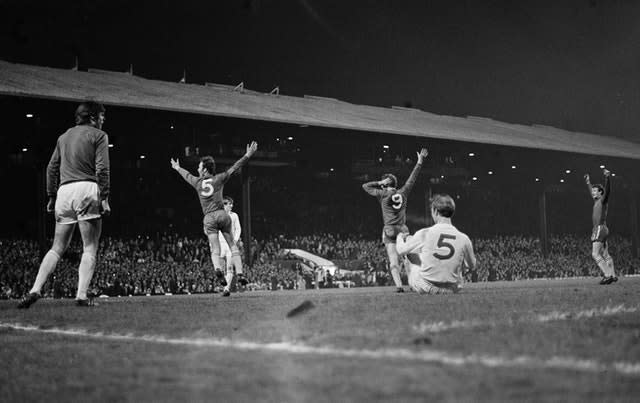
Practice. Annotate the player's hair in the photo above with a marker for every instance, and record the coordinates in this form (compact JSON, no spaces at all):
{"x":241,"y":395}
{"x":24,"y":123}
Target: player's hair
{"x":394,"y":180}
{"x":228,"y":199}
{"x":599,"y":187}
{"x":87,"y":112}
{"x":209,"y":164}
{"x":443,"y":204}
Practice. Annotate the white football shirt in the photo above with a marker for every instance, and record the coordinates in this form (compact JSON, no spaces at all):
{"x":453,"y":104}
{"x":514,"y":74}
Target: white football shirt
{"x":443,"y":252}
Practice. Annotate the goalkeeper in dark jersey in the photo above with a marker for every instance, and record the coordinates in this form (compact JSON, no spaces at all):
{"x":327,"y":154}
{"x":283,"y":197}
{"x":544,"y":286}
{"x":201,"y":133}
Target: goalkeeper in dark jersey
{"x":600,"y":233}
{"x":393,"y":203}
{"x":78,"y":182}
{"x":209,"y":186}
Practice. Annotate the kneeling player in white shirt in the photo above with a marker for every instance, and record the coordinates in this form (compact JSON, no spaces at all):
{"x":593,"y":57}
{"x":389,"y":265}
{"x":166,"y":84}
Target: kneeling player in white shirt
{"x":437,"y":254}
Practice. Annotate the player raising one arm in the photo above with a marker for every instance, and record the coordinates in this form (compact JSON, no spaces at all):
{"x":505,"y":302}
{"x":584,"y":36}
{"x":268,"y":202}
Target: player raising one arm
{"x":600,"y":248}
{"x":393,"y":203}
{"x":209,"y":186}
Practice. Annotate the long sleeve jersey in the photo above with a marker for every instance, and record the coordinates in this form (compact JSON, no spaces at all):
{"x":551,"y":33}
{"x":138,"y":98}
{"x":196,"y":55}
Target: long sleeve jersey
{"x":393,"y":202}
{"x":600,"y":206}
{"x":210,"y":187}
{"x":81,"y":154}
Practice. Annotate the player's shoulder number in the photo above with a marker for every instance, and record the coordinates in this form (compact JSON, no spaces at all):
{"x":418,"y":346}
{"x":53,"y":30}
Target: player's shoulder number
{"x":443,"y":242}
{"x":207,"y":187}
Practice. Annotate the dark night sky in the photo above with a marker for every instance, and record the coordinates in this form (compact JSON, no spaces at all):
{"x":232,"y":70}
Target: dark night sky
{"x":573,"y":65}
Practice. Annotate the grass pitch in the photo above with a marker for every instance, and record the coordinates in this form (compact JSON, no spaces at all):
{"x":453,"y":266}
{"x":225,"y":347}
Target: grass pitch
{"x":541,"y":340}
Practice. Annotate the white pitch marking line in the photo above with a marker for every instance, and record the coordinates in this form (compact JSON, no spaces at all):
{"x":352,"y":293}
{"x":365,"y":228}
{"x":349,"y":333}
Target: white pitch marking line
{"x":437,"y":327}
{"x":424,"y":355}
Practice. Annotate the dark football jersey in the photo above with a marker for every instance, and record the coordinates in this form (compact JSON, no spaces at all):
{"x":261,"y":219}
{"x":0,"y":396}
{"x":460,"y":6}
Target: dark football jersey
{"x":209,"y":189}
{"x":600,"y":206}
{"x":81,"y":154}
{"x":393,"y":202}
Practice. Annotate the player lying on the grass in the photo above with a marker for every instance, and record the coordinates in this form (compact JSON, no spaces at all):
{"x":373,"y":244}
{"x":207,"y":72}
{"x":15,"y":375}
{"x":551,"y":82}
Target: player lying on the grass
{"x":78,"y":188}
{"x":600,"y":233}
{"x":232,"y":254}
{"x":437,"y":254}
{"x":209,"y":186}
{"x":394,"y":212}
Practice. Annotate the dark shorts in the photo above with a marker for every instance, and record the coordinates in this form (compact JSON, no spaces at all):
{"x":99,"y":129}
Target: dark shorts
{"x":390,"y":233}
{"x":600,"y":233}
{"x":219,"y":220}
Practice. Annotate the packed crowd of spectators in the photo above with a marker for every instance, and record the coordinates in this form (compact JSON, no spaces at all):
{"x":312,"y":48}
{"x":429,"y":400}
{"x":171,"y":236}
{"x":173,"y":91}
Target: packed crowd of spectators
{"x":169,"y":263}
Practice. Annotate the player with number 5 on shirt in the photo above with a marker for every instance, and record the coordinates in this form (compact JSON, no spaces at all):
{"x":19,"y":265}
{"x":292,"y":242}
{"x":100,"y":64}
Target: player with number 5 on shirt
{"x":394,"y":212}
{"x":209,"y":186}
{"x":438,"y":254}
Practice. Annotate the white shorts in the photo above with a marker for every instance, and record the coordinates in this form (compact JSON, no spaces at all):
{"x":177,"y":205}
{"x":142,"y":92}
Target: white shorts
{"x":423,"y":286}
{"x":77,"y":201}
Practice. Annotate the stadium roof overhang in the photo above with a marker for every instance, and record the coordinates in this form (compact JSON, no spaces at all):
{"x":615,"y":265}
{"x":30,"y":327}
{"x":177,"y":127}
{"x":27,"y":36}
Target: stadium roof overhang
{"x":127,"y":90}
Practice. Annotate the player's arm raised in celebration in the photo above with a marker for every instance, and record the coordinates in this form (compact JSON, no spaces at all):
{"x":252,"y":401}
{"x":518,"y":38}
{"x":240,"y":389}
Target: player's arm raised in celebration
{"x":587,"y":180}
{"x":406,"y":243}
{"x":607,"y":185}
{"x":406,"y":188}
{"x":190,"y":179}
{"x":53,"y":178}
{"x":251,"y":149}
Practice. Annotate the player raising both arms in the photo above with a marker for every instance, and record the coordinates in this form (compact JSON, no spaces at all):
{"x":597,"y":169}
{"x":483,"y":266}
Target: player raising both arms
{"x":209,"y":187}
{"x":600,"y":248}
{"x":394,"y":212}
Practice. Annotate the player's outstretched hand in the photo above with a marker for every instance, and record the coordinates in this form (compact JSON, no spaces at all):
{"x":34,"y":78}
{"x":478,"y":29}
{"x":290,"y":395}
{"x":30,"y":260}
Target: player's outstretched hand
{"x":105,"y":209}
{"x":606,"y":172}
{"x":587,"y":179}
{"x":422,"y":155}
{"x":51,"y":205}
{"x":251,"y":148}
{"x":175,"y":164}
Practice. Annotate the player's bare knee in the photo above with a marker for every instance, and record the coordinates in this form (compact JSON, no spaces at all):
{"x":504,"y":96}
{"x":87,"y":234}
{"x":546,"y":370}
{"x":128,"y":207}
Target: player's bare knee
{"x":89,"y":255}
{"x":60,"y":246}
{"x":91,"y":250}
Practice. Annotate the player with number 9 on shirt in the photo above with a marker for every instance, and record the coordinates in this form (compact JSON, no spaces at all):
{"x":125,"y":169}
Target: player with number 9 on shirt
{"x":209,"y":186}
{"x":393,"y":203}
{"x":437,"y":255}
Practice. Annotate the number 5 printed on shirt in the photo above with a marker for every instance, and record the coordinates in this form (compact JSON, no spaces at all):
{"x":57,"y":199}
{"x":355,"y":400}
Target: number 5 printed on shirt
{"x":207,"y":187}
{"x":442,"y":243}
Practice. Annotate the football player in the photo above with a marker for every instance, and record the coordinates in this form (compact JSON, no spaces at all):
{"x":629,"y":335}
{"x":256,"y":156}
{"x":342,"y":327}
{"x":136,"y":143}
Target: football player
{"x":393,"y":203}
{"x":600,"y":233}
{"x":209,"y":187}
{"x":437,"y":255}
{"x":78,"y":181}
{"x":232,"y":254}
